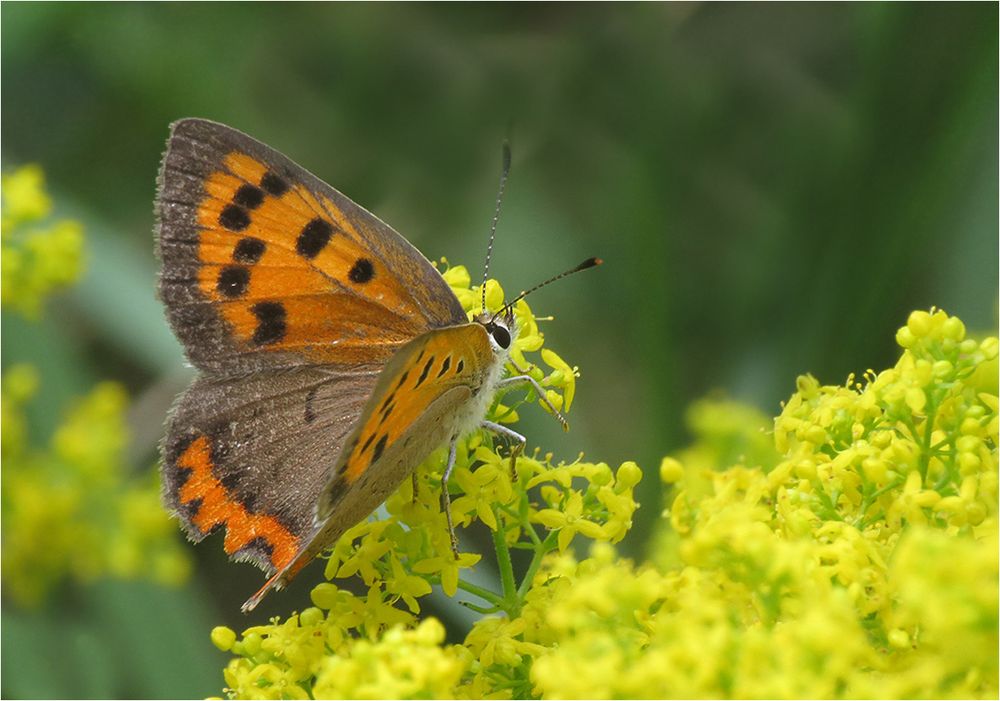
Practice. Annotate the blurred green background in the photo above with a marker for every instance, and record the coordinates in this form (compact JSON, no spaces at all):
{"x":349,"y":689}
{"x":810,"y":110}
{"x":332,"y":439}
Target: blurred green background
{"x":772,"y":187}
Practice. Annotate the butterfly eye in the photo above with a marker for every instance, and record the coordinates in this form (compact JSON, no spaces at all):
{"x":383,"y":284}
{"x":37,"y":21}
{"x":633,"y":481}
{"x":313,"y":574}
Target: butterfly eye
{"x":501,"y":336}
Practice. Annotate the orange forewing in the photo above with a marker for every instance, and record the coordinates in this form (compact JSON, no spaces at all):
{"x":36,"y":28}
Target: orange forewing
{"x":330,"y":312}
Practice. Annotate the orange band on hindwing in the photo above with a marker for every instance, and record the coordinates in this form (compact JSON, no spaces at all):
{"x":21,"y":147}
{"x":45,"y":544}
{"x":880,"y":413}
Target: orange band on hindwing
{"x":215,"y":506}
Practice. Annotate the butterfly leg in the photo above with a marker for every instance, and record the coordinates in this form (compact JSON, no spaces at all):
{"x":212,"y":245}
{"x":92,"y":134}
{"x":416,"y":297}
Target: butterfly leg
{"x":446,"y":498}
{"x":528,"y":380}
{"x":519,"y":443}
{"x":416,"y":485}
{"x":520,"y":370}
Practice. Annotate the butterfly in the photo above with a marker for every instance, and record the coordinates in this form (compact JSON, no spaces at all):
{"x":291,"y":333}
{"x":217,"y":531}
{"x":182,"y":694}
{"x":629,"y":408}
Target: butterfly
{"x":332,"y":357}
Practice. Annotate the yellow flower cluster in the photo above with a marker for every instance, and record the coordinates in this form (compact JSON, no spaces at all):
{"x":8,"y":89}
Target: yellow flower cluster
{"x":72,"y":509}
{"x":37,"y":258}
{"x":849,"y":551}
{"x":870,"y":537}
{"x":310,"y":656}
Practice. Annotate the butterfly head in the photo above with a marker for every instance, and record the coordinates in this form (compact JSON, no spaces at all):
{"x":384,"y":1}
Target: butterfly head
{"x":501,"y":329}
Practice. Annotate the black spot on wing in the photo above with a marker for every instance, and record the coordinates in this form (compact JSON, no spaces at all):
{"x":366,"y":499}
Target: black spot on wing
{"x":248,"y":250}
{"x":423,"y":375}
{"x":460,"y":366}
{"x":233,"y":281}
{"x":249,"y":196}
{"x":379,"y":447}
{"x":273,"y":184}
{"x":271,"y":324}
{"x":367,"y":443}
{"x":189,"y":510}
{"x":249,"y":501}
{"x":313,"y":238}
{"x":385,"y":413}
{"x":257,"y":549}
{"x":234,"y":218}
{"x":362,"y":271}
{"x":230,"y":481}
{"x":388,"y":400}
{"x":444,"y":366}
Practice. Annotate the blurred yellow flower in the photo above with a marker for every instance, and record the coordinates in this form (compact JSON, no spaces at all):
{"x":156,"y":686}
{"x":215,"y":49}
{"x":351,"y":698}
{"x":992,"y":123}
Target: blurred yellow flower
{"x":37,"y":258}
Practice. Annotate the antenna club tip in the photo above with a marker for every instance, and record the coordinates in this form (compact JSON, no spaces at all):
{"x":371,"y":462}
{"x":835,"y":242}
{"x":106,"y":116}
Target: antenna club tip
{"x":590,"y":263}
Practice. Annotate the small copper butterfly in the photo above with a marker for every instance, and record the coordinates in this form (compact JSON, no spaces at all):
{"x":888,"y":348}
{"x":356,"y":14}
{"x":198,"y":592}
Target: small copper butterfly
{"x":333,"y":358}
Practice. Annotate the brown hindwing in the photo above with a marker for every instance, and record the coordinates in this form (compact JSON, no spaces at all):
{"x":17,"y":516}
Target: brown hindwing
{"x":251,"y":455}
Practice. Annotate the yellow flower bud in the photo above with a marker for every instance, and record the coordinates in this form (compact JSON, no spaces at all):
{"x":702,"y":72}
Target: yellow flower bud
{"x":990,"y":347}
{"x":671,"y":470}
{"x":312,"y":616}
{"x":905,"y":338}
{"x":968,"y":463}
{"x":950,"y":505}
{"x":942,"y":369}
{"x":968,"y":444}
{"x":629,"y":475}
{"x":807,"y":386}
{"x":970,"y":426}
{"x":953,"y":329}
{"x":919,"y":323}
{"x":899,"y":638}
{"x":324,"y":595}
{"x":815,"y":435}
{"x":494,"y":295}
{"x":223,"y":638}
{"x":916,"y":399}
{"x":457,"y":276}
{"x":975,"y":512}
{"x":806,"y":469}
{"x":903,"y":451}
{"x":875,"y":470}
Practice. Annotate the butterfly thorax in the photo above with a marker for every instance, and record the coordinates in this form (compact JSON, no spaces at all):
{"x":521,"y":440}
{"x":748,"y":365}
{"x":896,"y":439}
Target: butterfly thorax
{"x":500,"y":332}
{"x":437,"y":387}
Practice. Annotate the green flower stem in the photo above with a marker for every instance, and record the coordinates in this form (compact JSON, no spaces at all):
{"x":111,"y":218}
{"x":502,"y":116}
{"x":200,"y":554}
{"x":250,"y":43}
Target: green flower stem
{"x":925,"y":457}
{"x":484,"y":594}
{"x":869,"y":501}
{"x":540,"y":552}
{"x":482,"y":610}
{"x":528,"y":529}
{"x":512,"y":602}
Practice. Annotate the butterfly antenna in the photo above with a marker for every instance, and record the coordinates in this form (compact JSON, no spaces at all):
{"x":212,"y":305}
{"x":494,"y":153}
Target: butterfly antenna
{"x":496,"y":216}
{"x":585,"y":265}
